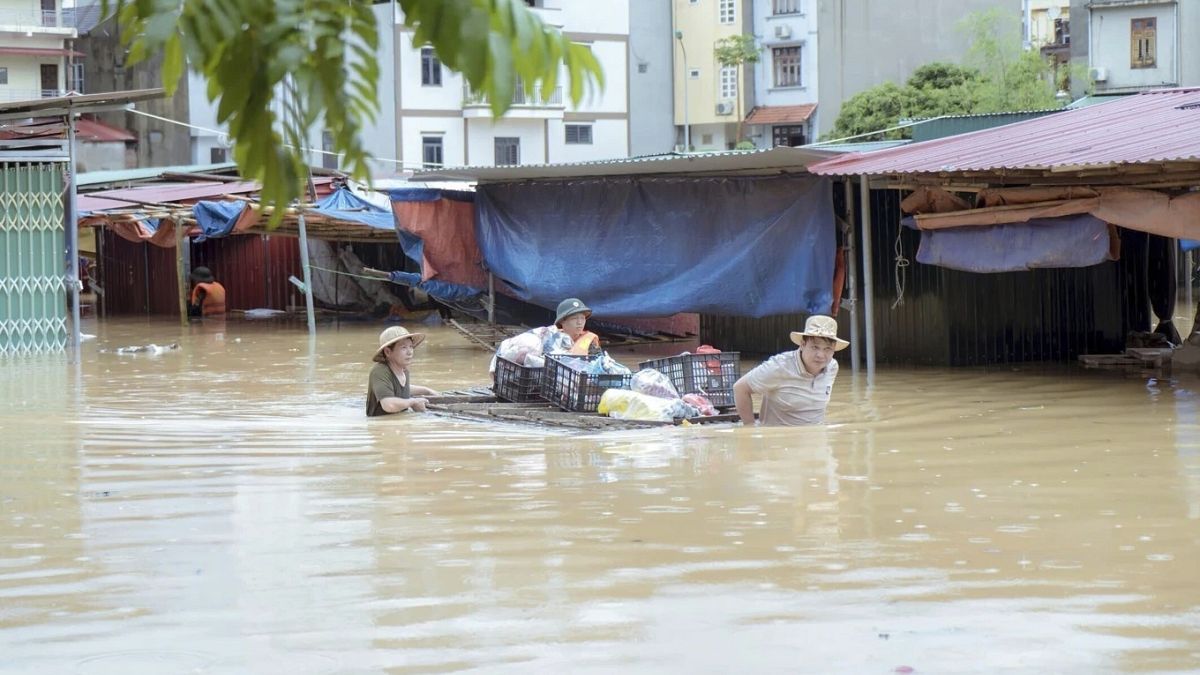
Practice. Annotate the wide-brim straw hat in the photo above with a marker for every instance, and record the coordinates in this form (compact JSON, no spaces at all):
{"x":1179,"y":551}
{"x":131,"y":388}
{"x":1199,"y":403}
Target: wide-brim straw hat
{"x":393,"y":334}
{"x":570,"y":307}
{"x":821,"y":327}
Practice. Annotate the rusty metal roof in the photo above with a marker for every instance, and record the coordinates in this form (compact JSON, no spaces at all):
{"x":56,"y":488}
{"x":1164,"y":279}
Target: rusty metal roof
{"x":781,"y":114}
{"x":1156,"y":126}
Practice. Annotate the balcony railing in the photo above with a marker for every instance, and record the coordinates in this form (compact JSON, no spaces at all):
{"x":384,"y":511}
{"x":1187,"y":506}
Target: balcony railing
{"x":519,"y":97}
{"x":31,"y":18}
{"x":8,"y":95}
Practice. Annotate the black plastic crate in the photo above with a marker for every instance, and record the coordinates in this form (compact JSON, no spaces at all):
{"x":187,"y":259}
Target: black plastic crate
{"x":711,"y":375}
{"x":517,"y":383}
{"x":575,"y":391}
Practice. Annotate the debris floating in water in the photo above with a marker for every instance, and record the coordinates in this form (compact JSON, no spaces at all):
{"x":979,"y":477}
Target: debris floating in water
{"x":151,"y":349}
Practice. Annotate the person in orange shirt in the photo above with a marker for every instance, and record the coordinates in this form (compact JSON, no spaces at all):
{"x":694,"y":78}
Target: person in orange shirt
{"x":208,"y":296}
{"x":572,"y":319}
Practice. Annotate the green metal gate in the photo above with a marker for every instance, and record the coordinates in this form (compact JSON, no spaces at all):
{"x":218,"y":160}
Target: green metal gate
{"x":33,"y":300}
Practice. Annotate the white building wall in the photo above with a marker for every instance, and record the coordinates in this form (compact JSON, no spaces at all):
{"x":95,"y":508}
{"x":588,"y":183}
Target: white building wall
{"x":610,"y":16}
{"x":450,"y":129}
{"x":417,"y":96}
{"x":609,"y":139}
{"x":612,"y":56}
{"x":482,"y":133}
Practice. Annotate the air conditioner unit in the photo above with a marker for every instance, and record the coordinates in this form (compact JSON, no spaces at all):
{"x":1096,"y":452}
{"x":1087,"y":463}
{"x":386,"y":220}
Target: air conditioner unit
{"x":725,"y":108}
{"x":783,"y":31}
{"x":1099,"y":74}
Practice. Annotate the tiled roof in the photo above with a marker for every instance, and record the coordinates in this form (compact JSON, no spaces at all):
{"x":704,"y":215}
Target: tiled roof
{"x":781,"y":114}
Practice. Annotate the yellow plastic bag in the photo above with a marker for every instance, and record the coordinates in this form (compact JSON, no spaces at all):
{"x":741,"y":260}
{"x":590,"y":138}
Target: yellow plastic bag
{"x":624,"y":404}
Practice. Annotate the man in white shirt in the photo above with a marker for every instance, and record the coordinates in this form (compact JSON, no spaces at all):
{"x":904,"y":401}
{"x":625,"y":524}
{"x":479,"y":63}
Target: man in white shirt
{"x":795,"y":385}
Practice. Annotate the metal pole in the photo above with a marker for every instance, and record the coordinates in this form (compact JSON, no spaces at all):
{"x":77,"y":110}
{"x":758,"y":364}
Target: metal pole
{"x":687,"y":128}
{"x":1187,"y":279}
{"x":73,"y":236}
{"x":308,"y":301}
{"x":180,"y":277}
{"x":852,"y":276}
{"x":868,"y":282}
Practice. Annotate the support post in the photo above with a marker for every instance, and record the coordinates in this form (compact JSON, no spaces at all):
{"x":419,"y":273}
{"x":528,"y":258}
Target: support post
{"x":73,"y":236}
{"x":868,"y":282}
{"x":180,"y":274}
{"x":308,"y":299}
{"x":852,"y":276}
{"x":491,"y":298}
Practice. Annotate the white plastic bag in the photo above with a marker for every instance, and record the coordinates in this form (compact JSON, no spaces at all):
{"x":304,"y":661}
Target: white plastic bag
{"x":651,"y":382}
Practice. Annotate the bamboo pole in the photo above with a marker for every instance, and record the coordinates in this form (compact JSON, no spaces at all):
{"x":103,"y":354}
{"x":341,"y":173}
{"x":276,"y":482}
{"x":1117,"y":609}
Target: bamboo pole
{"x":180,"y":274}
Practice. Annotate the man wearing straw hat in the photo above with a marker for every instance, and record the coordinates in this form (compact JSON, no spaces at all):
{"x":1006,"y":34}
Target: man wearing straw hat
{"x":795,"y":385}
{"x":389,"y":389}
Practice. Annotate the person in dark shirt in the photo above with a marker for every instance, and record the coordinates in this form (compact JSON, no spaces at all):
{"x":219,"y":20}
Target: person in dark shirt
{"x":389,"y":388}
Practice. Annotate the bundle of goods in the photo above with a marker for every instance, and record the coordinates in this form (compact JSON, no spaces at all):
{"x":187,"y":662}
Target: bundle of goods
{"x":633,"y":405}
{"x":709,"y":372}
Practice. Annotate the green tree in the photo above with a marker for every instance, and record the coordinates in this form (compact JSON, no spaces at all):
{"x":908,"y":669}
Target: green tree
{"x":1014,"y":78}
{"x":316,"y":61}
{"x":736,"y":51}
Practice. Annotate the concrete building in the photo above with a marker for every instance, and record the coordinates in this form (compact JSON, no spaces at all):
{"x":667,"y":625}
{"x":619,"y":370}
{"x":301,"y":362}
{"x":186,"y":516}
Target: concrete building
{"x":785,"y":78}
{"x":1129,"y":46}
{"x":709,"y":97}
{"x":440,"y":121}
{"x":35,"y":58}
{"x":864,"y":43}
{"x":651,"y":114}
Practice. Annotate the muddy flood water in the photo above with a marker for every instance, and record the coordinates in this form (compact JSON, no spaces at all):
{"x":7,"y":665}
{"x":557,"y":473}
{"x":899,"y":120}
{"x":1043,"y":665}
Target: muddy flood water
{"x":227,"y":508}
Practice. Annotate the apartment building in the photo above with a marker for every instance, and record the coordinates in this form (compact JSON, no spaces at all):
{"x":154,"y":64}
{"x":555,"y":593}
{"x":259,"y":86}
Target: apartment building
{"x":441,"y":121}
{"x":35,"y":56}
{"x":785,"y":77}
{"x":709,"y":97}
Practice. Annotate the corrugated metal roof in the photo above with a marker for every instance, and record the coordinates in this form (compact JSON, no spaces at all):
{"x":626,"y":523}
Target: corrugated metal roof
{"x":767,"y":161}
{"x":149,"y":173}
{"x":953,"y":125}
{"x":1150,"y":127}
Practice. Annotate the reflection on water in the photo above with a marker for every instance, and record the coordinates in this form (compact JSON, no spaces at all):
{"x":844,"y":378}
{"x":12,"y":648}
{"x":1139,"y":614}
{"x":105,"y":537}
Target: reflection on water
{"x":227,"y":508}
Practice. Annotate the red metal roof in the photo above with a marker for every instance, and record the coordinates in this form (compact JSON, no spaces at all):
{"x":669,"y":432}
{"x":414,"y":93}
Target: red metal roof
{"x":781,"y":114}
{"x":1153,"y":126}
{"x":177,"y":193}
{"x":87,"y":130}
{"x":99,"y":132}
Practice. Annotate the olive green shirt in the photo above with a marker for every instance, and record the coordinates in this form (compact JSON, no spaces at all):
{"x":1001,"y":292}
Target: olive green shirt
{"x":381,"y":384}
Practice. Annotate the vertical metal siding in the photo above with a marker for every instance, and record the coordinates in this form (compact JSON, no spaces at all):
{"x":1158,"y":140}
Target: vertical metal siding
{"x":138,"y":278}
{"x":948,"y":317}
{"x":253,"y":269}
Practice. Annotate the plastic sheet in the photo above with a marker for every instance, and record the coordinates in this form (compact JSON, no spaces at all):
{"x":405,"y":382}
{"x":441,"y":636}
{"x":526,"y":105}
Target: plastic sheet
{"x":1073,"y":241}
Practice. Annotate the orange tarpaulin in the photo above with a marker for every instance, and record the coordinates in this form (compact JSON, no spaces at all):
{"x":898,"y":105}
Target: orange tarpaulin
{"x":447,"y":227}
{"x":1142,"y":210}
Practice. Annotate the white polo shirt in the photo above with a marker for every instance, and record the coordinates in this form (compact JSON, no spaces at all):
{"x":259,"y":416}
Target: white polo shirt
{"x":791,"y":397}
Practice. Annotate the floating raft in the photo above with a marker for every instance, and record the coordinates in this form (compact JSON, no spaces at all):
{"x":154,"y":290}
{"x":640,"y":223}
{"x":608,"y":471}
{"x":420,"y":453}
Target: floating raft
{"x":481,"y":404}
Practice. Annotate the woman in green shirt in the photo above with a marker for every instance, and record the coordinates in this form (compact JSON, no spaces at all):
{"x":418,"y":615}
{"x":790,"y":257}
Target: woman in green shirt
{"x":389,"y":389}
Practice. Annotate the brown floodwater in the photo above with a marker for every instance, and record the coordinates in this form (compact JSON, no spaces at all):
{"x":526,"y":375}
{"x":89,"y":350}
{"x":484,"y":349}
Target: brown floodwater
{"x":226,"y":508}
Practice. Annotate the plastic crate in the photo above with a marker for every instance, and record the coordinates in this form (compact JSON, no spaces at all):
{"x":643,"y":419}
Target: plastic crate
{"x":517,"y":383}
{"x":575,"y":391}
{"x":711,"y":375}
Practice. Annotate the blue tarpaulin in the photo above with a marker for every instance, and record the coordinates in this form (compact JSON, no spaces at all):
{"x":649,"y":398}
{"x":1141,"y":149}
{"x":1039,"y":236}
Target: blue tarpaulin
{"x":216,"y":219}
{"x":654,"y":247}
{"x":414,"y":194}
{"x":1070,"y":241}
{"x":346,"y":205}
